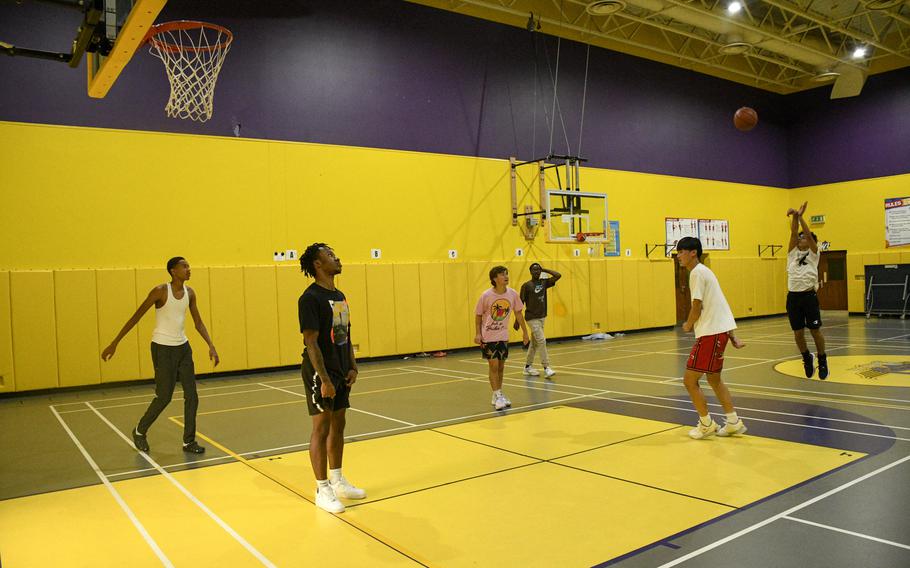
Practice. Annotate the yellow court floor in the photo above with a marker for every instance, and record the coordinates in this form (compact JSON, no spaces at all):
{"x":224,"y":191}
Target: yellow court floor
{"x":559,"y":486}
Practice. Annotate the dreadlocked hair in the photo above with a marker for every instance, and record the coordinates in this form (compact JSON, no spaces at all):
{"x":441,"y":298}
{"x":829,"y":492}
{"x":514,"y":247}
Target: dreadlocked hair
{"x":310,"y":255}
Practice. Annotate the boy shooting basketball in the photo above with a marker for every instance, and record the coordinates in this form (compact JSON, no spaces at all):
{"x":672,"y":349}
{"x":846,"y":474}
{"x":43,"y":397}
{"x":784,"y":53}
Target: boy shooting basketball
{"x":712,"y":320}
{"x":491,"y":323}
{"x":802,"y":300}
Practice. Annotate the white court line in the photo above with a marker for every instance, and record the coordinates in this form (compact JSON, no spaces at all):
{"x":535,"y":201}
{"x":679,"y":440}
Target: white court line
{"x":200,"y":388}
{"x":786,"y":513}
{"x":688,"y":409}
{"x":243,"y":542}
{"x":201,"y":396}
{"x":778,"y":359}
{"x":836,"y":529}
{"x":352,"y":409}
{"x":601,"y":374}
{"x":126,"y":508}
{"x":895,"y":337}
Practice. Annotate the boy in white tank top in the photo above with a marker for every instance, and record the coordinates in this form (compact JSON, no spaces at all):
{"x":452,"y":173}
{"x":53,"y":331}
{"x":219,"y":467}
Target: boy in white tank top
{"x":171,"y":353}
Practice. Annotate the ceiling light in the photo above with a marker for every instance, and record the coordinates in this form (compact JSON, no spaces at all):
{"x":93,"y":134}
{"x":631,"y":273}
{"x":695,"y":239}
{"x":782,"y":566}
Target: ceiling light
{"x":881,"y":4}
{"x":735,"y":48}
{"x":604,"y":7}
{"x":825,"y":76}
{"x":859,"y":52}
{"x":734,"y":7}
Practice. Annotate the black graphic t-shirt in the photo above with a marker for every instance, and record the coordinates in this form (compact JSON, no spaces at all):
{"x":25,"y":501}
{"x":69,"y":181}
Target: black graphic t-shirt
{"x":327,"y":312}
{"x":534,"y":295}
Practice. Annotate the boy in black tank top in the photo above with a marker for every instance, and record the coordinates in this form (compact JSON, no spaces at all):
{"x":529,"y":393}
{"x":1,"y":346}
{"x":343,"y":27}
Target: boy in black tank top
{"x":171,"y":354}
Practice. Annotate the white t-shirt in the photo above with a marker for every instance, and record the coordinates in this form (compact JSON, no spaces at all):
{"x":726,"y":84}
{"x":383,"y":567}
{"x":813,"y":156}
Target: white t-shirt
{"x":802,"y":270}
{"x":716,"y":316}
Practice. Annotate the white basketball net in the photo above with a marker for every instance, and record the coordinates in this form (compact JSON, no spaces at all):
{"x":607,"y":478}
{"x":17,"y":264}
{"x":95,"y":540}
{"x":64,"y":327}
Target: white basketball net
{"x":192,"y":57}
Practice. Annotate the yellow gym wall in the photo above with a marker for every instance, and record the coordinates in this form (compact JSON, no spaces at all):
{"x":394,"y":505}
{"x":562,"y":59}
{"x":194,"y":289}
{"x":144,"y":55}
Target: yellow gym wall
{"x":84,"y":242}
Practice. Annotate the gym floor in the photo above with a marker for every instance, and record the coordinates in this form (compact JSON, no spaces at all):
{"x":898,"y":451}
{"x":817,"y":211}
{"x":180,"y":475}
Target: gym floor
{"x":592,"y":468}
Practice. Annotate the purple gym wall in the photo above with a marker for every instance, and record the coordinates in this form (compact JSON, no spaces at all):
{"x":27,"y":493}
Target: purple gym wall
{"x":392,"y":74}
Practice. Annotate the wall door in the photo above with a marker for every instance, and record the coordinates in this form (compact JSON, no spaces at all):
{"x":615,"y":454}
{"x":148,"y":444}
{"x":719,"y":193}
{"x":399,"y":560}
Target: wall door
{"x":683,"y":296}
{"x":832,"y":271}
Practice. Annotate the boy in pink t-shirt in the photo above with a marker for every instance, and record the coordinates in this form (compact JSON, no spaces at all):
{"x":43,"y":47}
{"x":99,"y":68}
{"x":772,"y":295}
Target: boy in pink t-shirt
{"x":491,"y":323}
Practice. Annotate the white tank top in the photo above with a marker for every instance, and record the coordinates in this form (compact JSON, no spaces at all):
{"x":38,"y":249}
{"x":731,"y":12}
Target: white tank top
{"x":169,"y":319}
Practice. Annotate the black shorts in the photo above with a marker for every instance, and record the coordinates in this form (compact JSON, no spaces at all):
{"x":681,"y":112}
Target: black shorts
{"x":803,"y":310}
{"x":495,"y":350}
{"x":314,"y":402}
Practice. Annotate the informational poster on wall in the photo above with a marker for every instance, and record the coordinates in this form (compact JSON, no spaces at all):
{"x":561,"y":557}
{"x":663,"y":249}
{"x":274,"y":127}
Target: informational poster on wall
{"x":611,"y":246}
{"x":897,"y":221}
{"x":714,"y":234}
{"x":679,"y":228}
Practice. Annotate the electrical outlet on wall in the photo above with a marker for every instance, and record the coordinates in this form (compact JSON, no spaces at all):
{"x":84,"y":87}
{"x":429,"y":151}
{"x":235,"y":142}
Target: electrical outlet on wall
{"x":375,"y":253}
{"x":278,"y":256}
{"x":290,"y":254}
{"x":453,"y":253}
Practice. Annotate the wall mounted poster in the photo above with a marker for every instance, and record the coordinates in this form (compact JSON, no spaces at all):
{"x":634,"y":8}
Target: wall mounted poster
{"x":897,"y":221}
{"x":714,"y":234}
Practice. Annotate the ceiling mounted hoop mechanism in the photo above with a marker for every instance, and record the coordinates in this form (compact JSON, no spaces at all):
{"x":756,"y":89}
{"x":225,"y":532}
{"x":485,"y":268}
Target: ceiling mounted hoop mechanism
{"x":193,"y":54}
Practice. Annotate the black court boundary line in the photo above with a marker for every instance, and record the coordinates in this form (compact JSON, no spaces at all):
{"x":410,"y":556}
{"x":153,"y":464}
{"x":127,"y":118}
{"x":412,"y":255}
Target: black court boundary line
{"x":670,"y":538}
{"x":550,"y":461}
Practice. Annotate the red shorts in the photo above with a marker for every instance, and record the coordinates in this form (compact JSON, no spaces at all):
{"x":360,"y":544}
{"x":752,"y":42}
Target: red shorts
{"x":707,"y":354}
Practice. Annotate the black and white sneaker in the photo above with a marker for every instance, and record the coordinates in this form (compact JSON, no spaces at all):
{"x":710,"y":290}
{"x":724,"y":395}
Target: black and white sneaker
{"x":140,"y":441}
{"x":822,"y":366}
{"x":193,"y":448}
{"x":809,"y":365}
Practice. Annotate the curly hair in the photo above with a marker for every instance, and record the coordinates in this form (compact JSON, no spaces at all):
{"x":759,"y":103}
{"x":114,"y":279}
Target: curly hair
{"x":173,"y":262}
{"x":309,"y":257}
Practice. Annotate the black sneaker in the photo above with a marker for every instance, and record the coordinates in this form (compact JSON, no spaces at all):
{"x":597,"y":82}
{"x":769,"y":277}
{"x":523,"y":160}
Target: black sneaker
{"x":809,"y":365}
{"x":142,"y":444}
{"x":193,"y":448}
{"x":822,"y":366}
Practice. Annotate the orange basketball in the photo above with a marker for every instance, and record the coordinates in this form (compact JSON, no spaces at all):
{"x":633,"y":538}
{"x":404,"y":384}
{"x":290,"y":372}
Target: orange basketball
{"x":580,"y":237}
{"x":745,"y":119}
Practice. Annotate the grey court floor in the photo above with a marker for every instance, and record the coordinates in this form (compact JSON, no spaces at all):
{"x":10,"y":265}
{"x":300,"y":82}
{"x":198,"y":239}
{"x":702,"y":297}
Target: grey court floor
{"x":847,"y":515}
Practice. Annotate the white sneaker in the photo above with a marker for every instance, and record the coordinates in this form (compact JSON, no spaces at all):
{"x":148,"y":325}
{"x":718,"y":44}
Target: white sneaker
{"x":731,"y":428}
{"x":343,"y":488}
{"x":548,"y":372}
{"x":501,"y":402}
{"x":326,"y":500}
{"x":531,"y":371}
{"x":701,"y":431}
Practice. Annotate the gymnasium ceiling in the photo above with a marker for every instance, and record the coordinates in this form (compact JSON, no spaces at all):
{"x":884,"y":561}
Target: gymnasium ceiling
{"x":782,"y":46}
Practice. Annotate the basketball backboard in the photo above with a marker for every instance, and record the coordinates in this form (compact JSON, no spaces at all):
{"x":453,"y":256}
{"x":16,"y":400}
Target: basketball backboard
{"x":124,"y":26}
{"x":577,"y":216}
{"x":109,"y":33}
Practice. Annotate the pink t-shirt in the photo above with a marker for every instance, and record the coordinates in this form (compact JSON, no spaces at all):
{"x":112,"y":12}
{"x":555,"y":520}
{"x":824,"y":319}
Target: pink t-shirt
{"x":496,"y":309}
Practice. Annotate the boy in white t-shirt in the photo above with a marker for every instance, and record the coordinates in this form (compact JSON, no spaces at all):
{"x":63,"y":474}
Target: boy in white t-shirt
{"x":802,"y":300}
{"x":491,"y":324}
{"x":713,"y":321}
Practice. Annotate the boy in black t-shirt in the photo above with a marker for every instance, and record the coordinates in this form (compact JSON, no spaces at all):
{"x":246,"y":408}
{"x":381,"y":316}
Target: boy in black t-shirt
{"x":534,"y":295}
{"x":329,"y":370}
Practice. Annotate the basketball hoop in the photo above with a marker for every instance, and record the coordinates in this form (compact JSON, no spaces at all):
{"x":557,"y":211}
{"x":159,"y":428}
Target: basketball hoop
{"x":193,"y":53}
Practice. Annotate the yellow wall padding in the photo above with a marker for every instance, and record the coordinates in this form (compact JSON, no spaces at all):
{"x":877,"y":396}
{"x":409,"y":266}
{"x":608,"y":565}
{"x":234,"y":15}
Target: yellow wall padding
{"x":7,"y":371}
{"x":75,"y":293}
{"x":381,"y":309}
{"x":290,"y":283}
{"x":146,"y":280}
{"x":353,"y":283}
{"x":408,"y":328}
{"x":116,"y":304}
{"x":259,"y":286}
{"x":599,"y":296}
{"x":580,"y":283}
{"x":630,"y":296}
{"x":459,"y":306}
{"x":34,"y":343}
{"x":616,"y":320}
{"x":200,"y":284}
{"x":432,"y":306}
{"x":228,"y":316}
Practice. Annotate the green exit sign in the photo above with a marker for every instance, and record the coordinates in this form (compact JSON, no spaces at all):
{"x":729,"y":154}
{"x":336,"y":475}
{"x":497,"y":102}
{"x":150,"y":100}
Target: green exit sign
{"x":817,"y":219}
